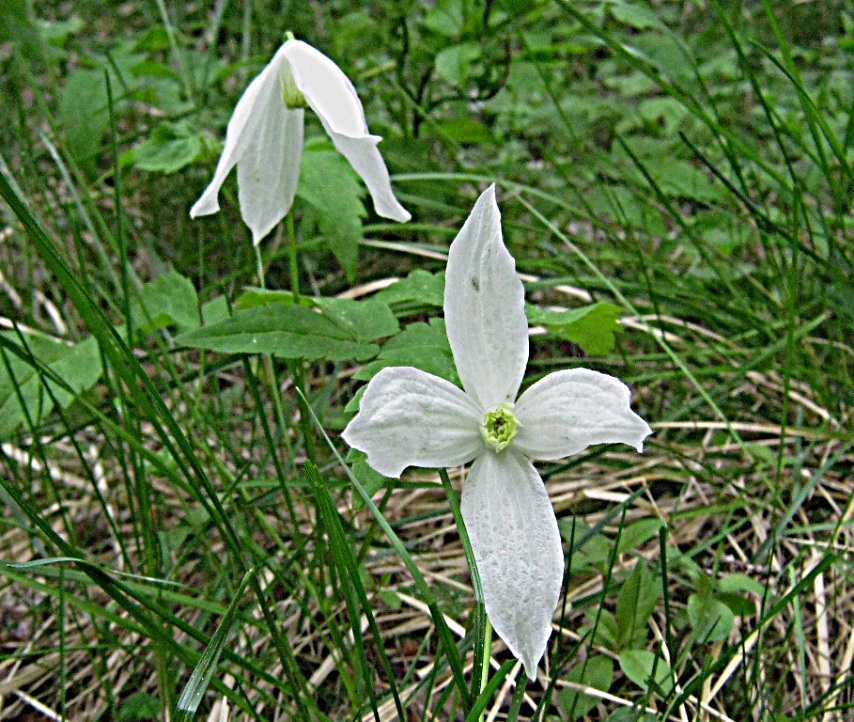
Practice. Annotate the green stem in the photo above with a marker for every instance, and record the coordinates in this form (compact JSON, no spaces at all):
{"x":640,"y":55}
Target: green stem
{"x":297,"y":366}
{"x":487,"y":655}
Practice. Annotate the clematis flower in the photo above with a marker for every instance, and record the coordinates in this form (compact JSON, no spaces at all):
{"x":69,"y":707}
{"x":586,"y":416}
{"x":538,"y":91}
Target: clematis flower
{"x":411,"y":418}
{"x":265,"y":136}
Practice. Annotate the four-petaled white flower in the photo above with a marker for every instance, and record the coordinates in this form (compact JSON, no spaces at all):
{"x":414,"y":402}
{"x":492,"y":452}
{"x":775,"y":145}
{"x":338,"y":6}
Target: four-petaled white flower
{"x":411,"y":418}
{"x":265,"y":136}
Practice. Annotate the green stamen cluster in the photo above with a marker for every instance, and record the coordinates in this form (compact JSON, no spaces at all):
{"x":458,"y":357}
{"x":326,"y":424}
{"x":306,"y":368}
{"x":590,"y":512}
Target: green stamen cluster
{"x":291,"y":94}
{"x":498,"y":427}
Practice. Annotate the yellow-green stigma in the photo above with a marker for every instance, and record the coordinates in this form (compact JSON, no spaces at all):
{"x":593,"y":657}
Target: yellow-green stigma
{"x":498,"y":427}
{"x":291,"y":94}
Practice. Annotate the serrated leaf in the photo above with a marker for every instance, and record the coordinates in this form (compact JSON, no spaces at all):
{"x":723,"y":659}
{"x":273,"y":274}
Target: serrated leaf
{"x":638,"y":665}
{"x":286,"y":331}
{"x":329,"y":183}
{"x":598,"y":673}
{"x":420,"y":345}
{"x":79,"y":366}
{"x":366,"y":320}
{"x":418,"y":287}
{"x":590,"y":327}
{"x":170,"y":300}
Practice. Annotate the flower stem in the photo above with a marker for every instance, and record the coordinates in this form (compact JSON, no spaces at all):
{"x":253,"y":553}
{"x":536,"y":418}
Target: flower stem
{"x":297,"y":367}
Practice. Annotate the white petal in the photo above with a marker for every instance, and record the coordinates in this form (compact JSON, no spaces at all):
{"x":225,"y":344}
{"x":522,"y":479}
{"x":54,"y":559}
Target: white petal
{"x":567,"y":411}
{"x":485,"y":308}
{"x":248,"y":115}
{"x":331,"y":95}
{"x":408,"y":417}
{"x":516,"y":544}
{"x":268,"y":171}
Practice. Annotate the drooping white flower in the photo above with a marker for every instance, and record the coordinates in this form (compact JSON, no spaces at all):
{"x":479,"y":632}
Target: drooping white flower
{"x":411,"y":418}
{"x":265,"y":136}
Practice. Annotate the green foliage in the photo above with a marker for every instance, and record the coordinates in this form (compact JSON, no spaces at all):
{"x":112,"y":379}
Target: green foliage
{"x":171,"y":300}
{"x":591,"y":327}
{"x":418,"y":287}
{"x":41,"y":373}
{"x":332,"y":188}
{"x":596,"y":672}
{"x":648,"y":671}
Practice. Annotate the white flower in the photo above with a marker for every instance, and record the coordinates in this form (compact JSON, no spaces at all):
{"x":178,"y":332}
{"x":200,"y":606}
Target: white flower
{"x":411,"y":418}
{"x":265,"y":135}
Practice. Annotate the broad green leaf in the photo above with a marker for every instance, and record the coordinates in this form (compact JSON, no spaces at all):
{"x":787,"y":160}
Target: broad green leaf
{"x":591,"y":327}
{"x":215,"y":310}
{"x":597,"y":672}
{"x":139,"y":707}
{"x":711,"y":619}
{"x":635,"y":534}
{"x":421,"y":345}
{"x":79,"y":366}
{"x":445,"y":18}
{"x":738,"y":582}
{"x":253,"y":297}
{"x":168,"y":149}
{"x":419,"y":287}
{"x":453,"y":63}
{"x":85,"y":115}
{"x":634,"y":14}
{"x":635,"y":603}
{"x":638,"y":666}
{"x":330,"y":185}
{"x":286,"y":331}
{"x":366,"y":320}
{"x":170,"y":300}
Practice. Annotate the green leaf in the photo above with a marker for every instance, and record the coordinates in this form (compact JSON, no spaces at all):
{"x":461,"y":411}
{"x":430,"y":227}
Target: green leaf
{"x":170,"y":300}
{"x":366,"y":320}
{"x":635,"y":603}
{"x":738,"y":582}
{"x":634,"y":15}
{"x":286,"y":331}
{"x":139,"y":707}
{"x":84,"y":114}
{"x":591,"y":327}
{"x":419,"y":287}
{"x":637,"y":533}
{"x":598,"y":673}
{"x":711,"y":619}
{"x":253,"y":297}
{"x":638,"y":665}
{"x":466,"y":130}
{"x":445,"y":18}
{"x":631,"y":714}
{"x":79,"y":366}
{"x":330,"y":185}
{"x":215,"y":310}
{"x":168,"y":149}
{"x":453,"y":63}
{"x":197,"y":685}
{"x":421,"y":345}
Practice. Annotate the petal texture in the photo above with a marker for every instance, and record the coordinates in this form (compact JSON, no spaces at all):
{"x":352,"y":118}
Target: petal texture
{"x":485,"y":308}
{"x":259,"y":112}
{"x":516,"y":544}
{"x":331,"y":95}
{"x":567,"y":411}
{"x":408,"y":417}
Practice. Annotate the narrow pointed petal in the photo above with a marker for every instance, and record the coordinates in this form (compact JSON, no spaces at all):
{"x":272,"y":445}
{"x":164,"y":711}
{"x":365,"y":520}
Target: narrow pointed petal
{"x":331,"y":95}
{"x":268,"y":171}
{"x":411,"y":418}
{"x":568,"y":411}
{"x":485,"y":308}
{"x":248,"y":115}
{"x":516,"y":543}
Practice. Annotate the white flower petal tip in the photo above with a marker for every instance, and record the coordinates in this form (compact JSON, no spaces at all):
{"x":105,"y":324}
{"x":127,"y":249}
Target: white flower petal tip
{"x":517,"y":548}
{"x":567,"y":411}
{"x":485,"y":308}
{"x":265,"y":136}
{"x":411,"y":418}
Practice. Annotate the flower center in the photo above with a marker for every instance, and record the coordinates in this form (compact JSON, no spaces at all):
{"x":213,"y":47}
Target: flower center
{"x":498,"y":427}
{"x":291,"y":94}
